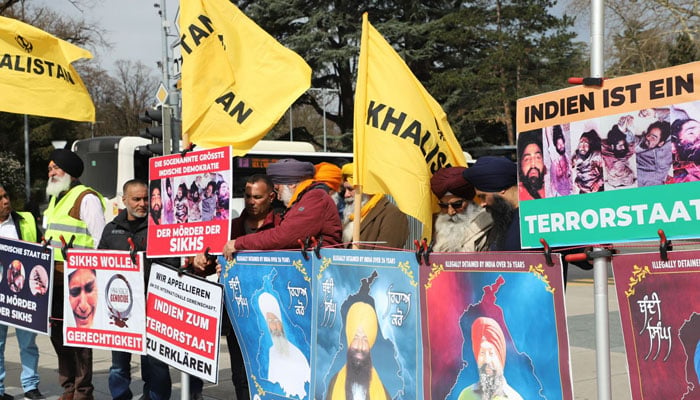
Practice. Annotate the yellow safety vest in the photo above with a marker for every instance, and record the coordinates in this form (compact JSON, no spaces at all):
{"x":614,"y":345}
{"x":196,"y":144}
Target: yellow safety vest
{"x":59,"y":222}
{"x":27,"y":227}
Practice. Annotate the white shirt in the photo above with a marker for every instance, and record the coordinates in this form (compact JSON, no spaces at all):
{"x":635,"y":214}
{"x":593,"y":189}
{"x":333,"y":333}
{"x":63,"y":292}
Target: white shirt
{"x":7,"y":228}
{"x":92,"y":214}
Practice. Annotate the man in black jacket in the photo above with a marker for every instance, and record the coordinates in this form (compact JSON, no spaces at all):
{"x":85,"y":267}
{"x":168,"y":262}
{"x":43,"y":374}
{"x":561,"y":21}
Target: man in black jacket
{"x":132,"y":222}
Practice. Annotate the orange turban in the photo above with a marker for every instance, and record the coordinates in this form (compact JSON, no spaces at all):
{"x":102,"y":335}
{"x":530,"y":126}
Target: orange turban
{"x":329,"y":174}
{"x":487,"y":329}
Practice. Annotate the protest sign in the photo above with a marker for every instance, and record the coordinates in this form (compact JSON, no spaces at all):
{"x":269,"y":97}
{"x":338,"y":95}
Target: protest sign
{"x":189,"y":208}
{"x":269,"y":300}
{"x":104,"y":303}
{"x":612,"y":163}
{"x":26,"y":284}
{"x":366,"y":312}
{"x":660,"y":314}
{"x":183,"y":322}
{"x":505,"y":304}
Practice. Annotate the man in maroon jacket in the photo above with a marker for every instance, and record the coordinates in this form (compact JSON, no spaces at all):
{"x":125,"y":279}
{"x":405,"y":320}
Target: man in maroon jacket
{"x":310,"y":211}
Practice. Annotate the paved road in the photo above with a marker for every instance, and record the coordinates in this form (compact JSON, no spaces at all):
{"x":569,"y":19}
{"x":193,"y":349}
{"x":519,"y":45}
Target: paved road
{"x":579,"y":303}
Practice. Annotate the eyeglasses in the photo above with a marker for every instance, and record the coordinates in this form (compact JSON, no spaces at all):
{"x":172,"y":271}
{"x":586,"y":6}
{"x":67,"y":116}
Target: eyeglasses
{"x":88,"y":288}
{"x":455,"y":205}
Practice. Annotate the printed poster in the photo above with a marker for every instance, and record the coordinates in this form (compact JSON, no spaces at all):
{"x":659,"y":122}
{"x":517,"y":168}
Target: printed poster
{"x":189,"y":203}
{"x":611,"y":164}
{"x":366,"y":325}
{"x":183,"y":322}
{"x":26,"y":284}
{"x":104,"y":305}
{"x":494,"y":323}
{"x":268,"y":298}
{"x":660,"y":312}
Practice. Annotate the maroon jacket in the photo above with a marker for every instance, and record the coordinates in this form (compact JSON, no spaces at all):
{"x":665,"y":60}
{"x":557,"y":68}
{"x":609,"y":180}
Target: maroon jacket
{"x":272,"y":219}
{"x":313,"y":214}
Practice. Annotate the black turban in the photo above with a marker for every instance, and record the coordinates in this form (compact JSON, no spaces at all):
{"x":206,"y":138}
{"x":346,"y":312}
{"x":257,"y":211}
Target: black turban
{"x":451,"y":180}
{"x":492,"y":174}
{"x":68,"y":161}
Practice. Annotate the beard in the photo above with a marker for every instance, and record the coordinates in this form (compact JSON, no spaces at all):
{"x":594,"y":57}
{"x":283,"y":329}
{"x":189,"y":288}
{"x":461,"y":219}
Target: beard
{"x":347,"y":212}
{"x":490,"y":384}
{"x":285,"y":194}
{"x":280,"y":344}
{"x":450,"y":230}
{"x":620,"y":153}
{"x":502,"y":212}
{"x":57,"y":185}
{"x":583,"y":155}
{"x":688,"y":152}
{"x":359,"y":371}
{"x":533,"y":182}
{"x":560,"y":150}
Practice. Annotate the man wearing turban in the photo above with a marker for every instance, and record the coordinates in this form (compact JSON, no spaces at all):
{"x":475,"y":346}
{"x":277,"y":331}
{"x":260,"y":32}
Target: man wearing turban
{"x":287,"y":365}
{"x":461,"y":225}
{"x":489,"y":347}
{"x":358,"y":380}
{"x":496,"y":182}
{"x":74,"y":211}
{"x":381,"y":223}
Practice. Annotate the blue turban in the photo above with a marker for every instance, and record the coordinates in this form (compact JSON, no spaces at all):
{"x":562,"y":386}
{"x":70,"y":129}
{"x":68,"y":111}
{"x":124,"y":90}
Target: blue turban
{"x":288,"y":171}
{"x":492,"y":174}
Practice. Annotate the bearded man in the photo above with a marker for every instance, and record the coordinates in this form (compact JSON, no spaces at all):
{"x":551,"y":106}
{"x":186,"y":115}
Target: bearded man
{"x":560,"y":174}
{"x":654,"y":154}
{"x":495,"y":180}
{"x":532,"y":169}
{"x":358,"y":379}
{"x":489,"y":347}
{"x":617,"y":155}
{"x":74,"y":211}
{"x":461,"y":225}
{"x":287,"y":364}
{"x":686,"y":164}
{"x":588,"y":163}
{"x":381,"y":223}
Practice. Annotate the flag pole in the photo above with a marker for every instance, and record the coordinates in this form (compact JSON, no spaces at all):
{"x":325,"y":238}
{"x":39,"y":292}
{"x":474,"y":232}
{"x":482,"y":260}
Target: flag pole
{"x":357,"y":211}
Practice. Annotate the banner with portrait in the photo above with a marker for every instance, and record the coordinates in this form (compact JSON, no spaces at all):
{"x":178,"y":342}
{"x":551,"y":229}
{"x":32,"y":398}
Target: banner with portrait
{"x":494,"y":323}
{"x":189,"y":202}
{"x":612,"y":163}
{"x":104,"y":300}
{"x":366,"y":324}
{"x":268,"y":298}
{"x":660,"y":312}
{"x":26,"y":284}
{"x":183,"y":321}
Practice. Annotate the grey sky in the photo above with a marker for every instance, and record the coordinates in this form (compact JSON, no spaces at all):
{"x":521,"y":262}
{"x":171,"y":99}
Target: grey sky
{"x":133,"y":27}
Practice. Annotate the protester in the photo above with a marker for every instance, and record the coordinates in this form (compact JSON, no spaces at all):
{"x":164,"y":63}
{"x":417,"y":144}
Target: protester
{"x":132,"y":223}
{"x":258,"y":215}
{"x":310,"y":211}
{"x":654,"y":154}
{"x":495,"y":180}
{"x":74,"y":211}
{"x":22,"y":226}
{"x":382,"y":223}
{"x":461,"y":225}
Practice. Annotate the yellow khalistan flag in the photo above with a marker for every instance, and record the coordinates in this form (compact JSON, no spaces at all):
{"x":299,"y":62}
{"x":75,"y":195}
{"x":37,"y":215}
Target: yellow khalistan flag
{"x":237,"y":80}
{"x":401,"y":133}
{"x":36,"y":75}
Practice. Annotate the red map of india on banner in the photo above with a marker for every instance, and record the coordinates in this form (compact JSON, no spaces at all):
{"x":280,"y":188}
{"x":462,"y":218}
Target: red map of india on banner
{"x":189,"y":202}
